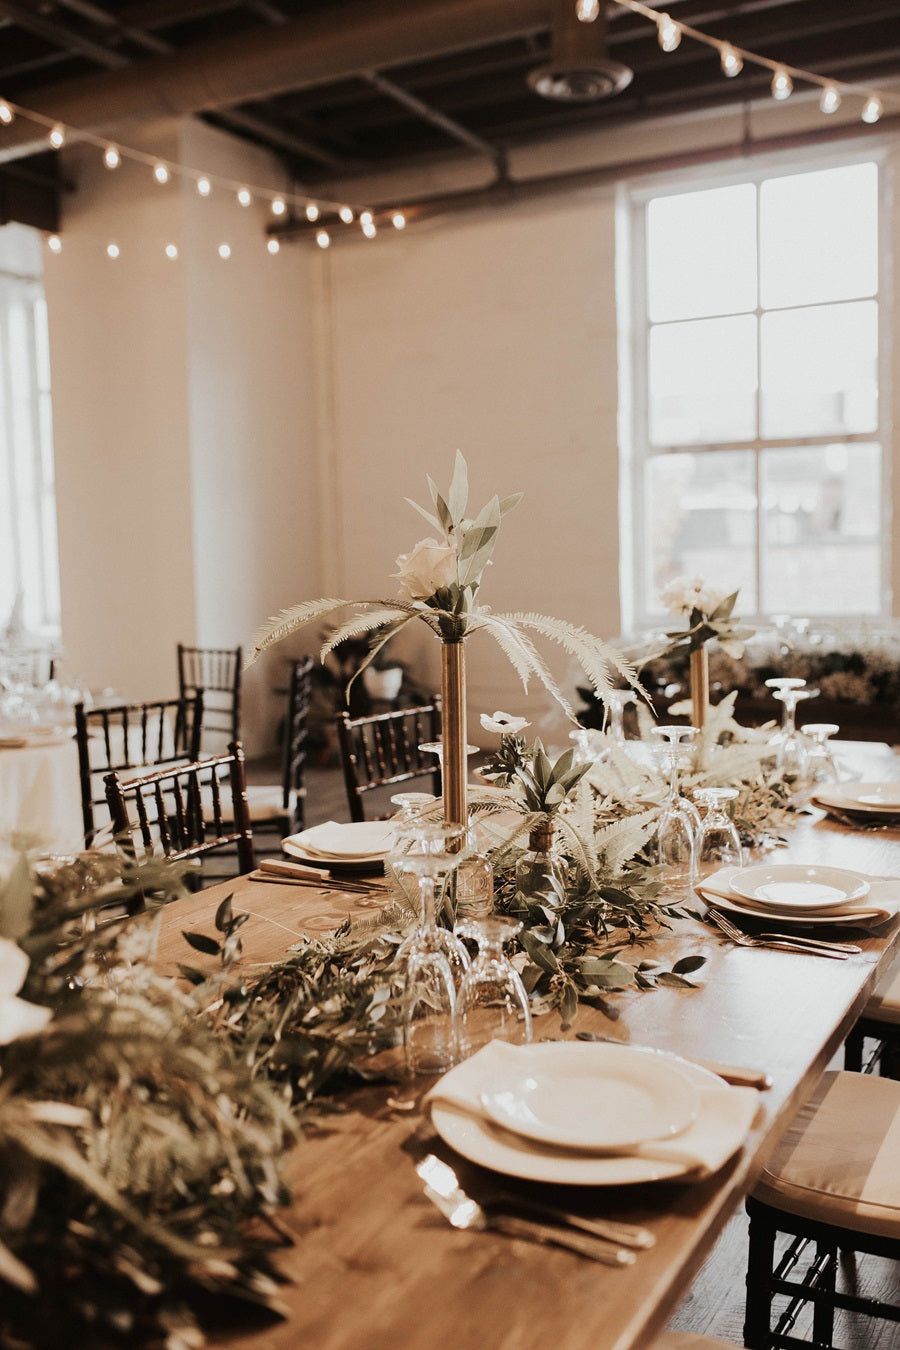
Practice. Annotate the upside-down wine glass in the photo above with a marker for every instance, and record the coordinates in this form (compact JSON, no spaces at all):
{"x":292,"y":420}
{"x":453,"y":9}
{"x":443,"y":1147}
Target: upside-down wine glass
{"x":822,"y":767}
{"x":718,"y":843}
{"x":436,"y":960}
{"x":791,"y":756}
{"x":616,"y":702}
{"x":492,"y":1004}
{"x":679,"y":822}
{"x":587,"y":746}
{"x":778,"y":684}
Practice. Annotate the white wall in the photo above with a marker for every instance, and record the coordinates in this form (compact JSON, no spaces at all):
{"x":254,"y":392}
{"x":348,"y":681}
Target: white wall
{"x":183,"y":419}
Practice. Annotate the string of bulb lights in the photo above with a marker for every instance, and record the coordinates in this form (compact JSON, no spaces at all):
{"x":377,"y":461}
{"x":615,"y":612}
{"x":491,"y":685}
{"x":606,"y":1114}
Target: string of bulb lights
{"x":670,"y":32}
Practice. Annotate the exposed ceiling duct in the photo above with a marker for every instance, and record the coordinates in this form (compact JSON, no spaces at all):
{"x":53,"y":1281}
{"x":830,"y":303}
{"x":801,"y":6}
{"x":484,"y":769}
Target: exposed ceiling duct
{"x":580,"y":70}
{"x":239,"y":67}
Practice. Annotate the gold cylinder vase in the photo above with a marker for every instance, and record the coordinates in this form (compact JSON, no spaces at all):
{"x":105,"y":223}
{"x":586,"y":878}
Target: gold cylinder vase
{"x":700,"y":686}
{"x":453,"y":735}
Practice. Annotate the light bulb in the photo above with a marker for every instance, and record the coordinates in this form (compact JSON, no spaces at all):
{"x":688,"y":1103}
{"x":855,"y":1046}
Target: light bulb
{"x":368,"y":229}
{"x":54,"y":243}
{"x":172,"y":251}
{"x":278,"y":206}
{"x":398,"y":220}
{"x":586,"y":11}
{"x":668,"y":33}
{"x":312,"y":211}
{"x":830,"y":99}
{"x":58,"y":136}
{"x":346,"y":214}
{"x":111,"y":157}
{"x":782,"y":84}
{"x":224,"y":250}
{"x":112,"y":250}
{"x":273,"y":246}
{"x":244,"y":197}
{"x":161,"y":172}
{"x":323,"y":238}
{"x":366,"y":218}
{"x":204,"y":187}
{"x":6,"y":113}
{"x":872,"y":110}
{"x":732,"y":61}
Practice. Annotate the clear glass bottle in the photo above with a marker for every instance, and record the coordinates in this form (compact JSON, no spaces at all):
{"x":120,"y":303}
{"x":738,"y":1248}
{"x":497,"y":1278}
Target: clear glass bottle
{"x":540,"y":871}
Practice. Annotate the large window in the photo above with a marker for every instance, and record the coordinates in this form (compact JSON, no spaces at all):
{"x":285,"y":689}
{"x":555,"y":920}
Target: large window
{"x":756,"y":447}
{"x":29,"y":569}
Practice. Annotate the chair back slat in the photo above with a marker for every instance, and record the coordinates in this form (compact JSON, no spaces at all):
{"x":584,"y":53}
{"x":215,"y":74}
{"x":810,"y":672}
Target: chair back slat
{"x":178,"y":812}
{"x":383,"y":750}
{"x":296,"y":735}
{"x":130,"y":736}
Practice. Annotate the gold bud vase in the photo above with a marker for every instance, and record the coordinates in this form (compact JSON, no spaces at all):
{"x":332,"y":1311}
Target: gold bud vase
{"x":454,"y":763}
{"x":700,"y":686}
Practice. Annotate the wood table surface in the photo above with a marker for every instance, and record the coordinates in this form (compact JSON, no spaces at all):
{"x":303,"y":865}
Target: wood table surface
{"x":374,"y":1264}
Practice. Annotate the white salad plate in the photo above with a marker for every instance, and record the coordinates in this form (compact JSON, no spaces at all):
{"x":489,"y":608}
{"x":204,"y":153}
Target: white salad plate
{"x":879,"y":798}
{"x":796,"y":889}
{"x":353,"y":843}
{"x":610,"y":1098}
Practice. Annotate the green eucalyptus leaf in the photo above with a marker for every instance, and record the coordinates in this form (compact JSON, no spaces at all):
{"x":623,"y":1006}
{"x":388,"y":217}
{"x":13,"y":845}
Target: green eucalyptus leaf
{"x":223,"y":914}
{"x":201,"y":943}
{"x":568,"y":1007}
{"x":689,"y":963}
{"x":458,"y":495}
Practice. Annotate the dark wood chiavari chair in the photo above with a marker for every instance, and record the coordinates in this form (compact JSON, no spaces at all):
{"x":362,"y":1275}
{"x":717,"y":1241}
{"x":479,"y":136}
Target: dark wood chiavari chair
{"x":383,"y":751}
{"x":216,"y":671}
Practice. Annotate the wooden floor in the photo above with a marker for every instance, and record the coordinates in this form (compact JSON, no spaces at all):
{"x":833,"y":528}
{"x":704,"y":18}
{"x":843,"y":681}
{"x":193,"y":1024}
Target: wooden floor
{"x":715,"y":1305}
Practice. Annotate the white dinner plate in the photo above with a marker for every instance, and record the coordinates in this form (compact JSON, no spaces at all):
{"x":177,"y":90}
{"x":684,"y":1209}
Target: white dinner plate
{"x":482,"y":1141}
{"x":795,"y":888}
{"x":356,"y":843}
{"x":612,"y":1097}
{"x":880,"y":798}
{"x":860,"y":917}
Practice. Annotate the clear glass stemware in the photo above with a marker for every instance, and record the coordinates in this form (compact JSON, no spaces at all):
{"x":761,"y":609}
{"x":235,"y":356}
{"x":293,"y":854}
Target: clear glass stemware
{"x":718,"y":843}
{"x":492,"y":1003}
{"x":822,"y":767}
{"x":791,"y":757}
{"x":679,"y":821}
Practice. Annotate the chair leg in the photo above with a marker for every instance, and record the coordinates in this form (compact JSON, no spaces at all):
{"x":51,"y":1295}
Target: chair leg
{"x":823,"y":1309}
{"x":760,"y":1264}
{"x":853,"y":1051}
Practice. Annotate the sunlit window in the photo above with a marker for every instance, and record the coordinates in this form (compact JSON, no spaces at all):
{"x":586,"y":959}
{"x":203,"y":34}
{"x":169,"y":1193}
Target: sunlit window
{"x":755,"y":448}
{"x":29,"y":566}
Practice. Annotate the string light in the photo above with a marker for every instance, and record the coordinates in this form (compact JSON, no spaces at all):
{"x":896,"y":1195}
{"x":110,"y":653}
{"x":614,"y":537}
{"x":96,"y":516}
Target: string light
{"x":54,"y":243}
{"x":225,"y":251}
{"x":58,"y":136}
{"x":398,"y":220}
{"x":312,"y":211}
{"x":668,"y":33}
{"x":586,"y":11}
{"x":161,"y":172}
{"x":172,"y":251}
{"x":112,"y":250}
{"x":7,"y":116}
{"x":872,"y":110}
{"x":782,"y":84}
{"x":366,"y":218}
{"x":368,"y":229}
{"x":111,"y":157}
{"x":346,"y":214}
{"x":273,"y":246}
{"x":830,"y":100}
{"x":279,"y":206}
{"x":323,"y":238}
{"x":204,"y":187}
{"x":732,"y":61}
{"x":244,"y":197}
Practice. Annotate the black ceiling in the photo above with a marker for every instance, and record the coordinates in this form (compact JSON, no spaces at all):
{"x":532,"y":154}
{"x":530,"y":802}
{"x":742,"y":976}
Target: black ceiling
{"x":464,"y":89}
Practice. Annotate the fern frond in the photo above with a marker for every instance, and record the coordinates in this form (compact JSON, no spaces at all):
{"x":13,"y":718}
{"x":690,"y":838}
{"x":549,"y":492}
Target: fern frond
{"x":359,"y":624}
{"x":621,"y":841}
{"x":593,"y":654}
{"x":288,"y":621}
{"x":520,"y":641}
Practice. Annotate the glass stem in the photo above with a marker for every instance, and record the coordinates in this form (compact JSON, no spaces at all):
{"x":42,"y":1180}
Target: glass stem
{"x":426,"y":896}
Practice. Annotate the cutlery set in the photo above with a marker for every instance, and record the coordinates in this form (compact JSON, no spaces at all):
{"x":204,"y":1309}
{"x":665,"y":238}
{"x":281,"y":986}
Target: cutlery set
{"x":791,"y":942}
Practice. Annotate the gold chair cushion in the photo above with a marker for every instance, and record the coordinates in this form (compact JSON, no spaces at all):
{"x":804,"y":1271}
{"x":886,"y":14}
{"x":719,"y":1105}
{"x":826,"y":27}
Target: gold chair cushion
{"x":839,"y":1160}
{"x":884,"y":1005}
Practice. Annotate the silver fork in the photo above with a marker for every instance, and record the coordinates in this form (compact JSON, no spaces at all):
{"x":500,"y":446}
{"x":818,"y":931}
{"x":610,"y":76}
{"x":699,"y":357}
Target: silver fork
{"x":443,"y":1189}
{"x":785,"y":944}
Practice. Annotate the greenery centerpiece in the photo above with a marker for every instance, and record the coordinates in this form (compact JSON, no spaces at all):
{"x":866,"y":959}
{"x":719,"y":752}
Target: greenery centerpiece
{"x":440,"y":581}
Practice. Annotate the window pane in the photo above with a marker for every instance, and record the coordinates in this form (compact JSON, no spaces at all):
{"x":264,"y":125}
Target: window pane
{"x":701,"y":521}
{"x":821,"y":526}
{"x":702,"y":381}
{"x":701,"y":253}
{"x":819,"y":236}
{"x":819,"y":370}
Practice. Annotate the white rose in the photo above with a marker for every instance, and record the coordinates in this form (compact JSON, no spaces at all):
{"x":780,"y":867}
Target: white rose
{"x":17,"y":1017}
{"x":504,"y":724}
{"x":429,"y":567}
{"x":684,"y":594}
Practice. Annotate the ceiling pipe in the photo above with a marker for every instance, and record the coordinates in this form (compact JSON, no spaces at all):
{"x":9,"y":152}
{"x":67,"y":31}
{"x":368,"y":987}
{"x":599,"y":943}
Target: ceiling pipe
{"x":341,"y":41}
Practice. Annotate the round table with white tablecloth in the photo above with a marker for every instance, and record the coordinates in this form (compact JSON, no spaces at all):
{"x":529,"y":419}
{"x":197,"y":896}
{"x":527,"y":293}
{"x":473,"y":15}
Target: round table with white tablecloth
{"x":40,"y":801}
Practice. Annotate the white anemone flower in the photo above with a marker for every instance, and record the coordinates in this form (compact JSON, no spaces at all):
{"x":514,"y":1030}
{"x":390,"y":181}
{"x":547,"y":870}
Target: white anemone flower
{"x":17,"y":1017}
{"x":504,"y":724}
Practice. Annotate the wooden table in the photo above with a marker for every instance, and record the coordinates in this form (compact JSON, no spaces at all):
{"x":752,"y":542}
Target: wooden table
{"x":375,"y":1265}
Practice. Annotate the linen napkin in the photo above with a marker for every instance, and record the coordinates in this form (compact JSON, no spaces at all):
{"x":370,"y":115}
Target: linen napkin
{"x":878,"y":906}
{"x":724,"y":1117}
{"x":336,"y":839}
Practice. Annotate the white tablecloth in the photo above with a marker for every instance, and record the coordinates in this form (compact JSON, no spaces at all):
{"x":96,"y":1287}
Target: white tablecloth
{"x":40,"y":799}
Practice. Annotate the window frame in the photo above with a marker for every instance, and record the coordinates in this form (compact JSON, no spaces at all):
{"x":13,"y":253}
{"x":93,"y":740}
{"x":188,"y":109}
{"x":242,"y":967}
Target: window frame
{"x":635,"y":450}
